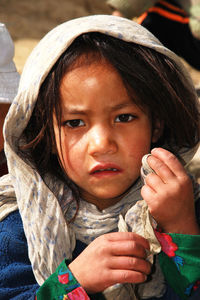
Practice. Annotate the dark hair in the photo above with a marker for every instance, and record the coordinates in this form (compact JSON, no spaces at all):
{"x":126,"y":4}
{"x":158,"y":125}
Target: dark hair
{"x":152,"y":79}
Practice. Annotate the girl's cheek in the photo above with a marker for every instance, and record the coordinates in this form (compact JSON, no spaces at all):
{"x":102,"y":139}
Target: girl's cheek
{"x":71,"y":156}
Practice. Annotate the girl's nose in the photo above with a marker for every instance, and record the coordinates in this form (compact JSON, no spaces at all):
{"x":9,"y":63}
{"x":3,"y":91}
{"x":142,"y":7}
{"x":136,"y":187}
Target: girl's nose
{"x":101,"y":141}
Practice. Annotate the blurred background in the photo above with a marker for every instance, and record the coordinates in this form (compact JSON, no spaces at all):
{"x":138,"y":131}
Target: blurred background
{"x":29,"y":20}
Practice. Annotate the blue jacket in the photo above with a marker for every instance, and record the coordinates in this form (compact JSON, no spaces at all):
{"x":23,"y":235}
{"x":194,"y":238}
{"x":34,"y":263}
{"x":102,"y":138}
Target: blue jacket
{"x":16,"y":276}
{"x":17,"y":281}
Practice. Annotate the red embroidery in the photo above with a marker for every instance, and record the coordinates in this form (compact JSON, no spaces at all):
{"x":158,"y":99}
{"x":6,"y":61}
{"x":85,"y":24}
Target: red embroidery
{"x":167,"y":244}
{"x":196,"y":285}
{"x":78,"y":294}
{"x":64,"y":279}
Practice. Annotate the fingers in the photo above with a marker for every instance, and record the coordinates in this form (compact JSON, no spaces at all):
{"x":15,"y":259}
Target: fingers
{"x":116,"y":257}
{"x":127,"y":276}
{"x":168,"y":191}
{"x":130,"y":239}
{"x":130,"y":263}
{"x":165,"y":164}
{"x":168,"y":169}
{"x":128,"y":248}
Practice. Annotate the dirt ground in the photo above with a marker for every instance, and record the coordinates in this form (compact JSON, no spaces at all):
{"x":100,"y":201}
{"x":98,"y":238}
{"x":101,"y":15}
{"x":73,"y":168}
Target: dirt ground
{"x":29,"y":20}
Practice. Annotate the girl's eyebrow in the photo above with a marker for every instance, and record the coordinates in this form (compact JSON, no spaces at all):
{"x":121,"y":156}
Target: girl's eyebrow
{"x":122,"y":105}
{"x":77,"y":111}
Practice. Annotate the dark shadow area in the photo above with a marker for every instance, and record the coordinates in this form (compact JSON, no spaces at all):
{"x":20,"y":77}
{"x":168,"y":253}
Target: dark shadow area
{"x":198,"y":92}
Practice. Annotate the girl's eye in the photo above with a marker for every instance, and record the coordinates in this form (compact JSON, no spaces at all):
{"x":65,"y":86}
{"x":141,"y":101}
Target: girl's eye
{"x":74,"y":123}
{"x":124,"y":118}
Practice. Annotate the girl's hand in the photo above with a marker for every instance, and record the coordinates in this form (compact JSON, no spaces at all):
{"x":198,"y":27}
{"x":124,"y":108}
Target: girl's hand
{"x":169,"y":194}
{"x":117,"y":257}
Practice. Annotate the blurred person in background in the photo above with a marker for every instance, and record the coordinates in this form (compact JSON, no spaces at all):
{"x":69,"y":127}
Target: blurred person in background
{"x":176,"y":23}
{"x":9,"y":81}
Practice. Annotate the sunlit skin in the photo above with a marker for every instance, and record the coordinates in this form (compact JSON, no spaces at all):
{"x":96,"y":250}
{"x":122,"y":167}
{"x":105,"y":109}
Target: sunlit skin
{"x":104,"y":134}
{"x":169,"y":194}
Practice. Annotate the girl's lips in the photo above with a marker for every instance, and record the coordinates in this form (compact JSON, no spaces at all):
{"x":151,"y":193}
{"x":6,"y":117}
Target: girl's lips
{"x":103,"y":169}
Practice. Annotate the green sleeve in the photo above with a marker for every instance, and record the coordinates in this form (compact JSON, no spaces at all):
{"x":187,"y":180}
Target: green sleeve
{"x":180,"y":262}
{"x":61,"y":285}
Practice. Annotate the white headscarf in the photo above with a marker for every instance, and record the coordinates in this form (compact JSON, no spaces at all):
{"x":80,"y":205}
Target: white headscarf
{"x":49,"y":238}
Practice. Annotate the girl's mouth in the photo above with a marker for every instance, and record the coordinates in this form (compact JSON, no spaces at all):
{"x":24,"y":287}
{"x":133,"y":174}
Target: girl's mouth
{"x":106,"y":169}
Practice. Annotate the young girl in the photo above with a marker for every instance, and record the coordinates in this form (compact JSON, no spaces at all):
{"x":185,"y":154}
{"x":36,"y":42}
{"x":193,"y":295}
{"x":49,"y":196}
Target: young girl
{"x":95,"y":96}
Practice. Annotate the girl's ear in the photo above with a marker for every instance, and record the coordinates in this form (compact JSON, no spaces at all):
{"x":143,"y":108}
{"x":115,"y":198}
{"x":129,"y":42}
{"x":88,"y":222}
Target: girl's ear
{"x":157,"y":130}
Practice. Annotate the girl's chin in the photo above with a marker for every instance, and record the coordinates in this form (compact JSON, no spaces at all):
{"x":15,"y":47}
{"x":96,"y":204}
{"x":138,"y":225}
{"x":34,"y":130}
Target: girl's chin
{"x":103,"y":201}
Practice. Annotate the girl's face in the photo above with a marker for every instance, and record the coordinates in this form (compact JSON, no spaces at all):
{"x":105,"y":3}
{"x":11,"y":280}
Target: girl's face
{"x":103,"y":133}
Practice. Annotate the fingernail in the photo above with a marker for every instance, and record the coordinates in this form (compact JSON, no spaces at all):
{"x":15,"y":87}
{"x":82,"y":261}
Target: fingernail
{"x":154,"y":149}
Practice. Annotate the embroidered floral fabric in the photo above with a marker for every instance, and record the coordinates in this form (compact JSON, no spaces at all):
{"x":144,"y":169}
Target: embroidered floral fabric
{"x":61,"y":285}
{"x":180,"y":260}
